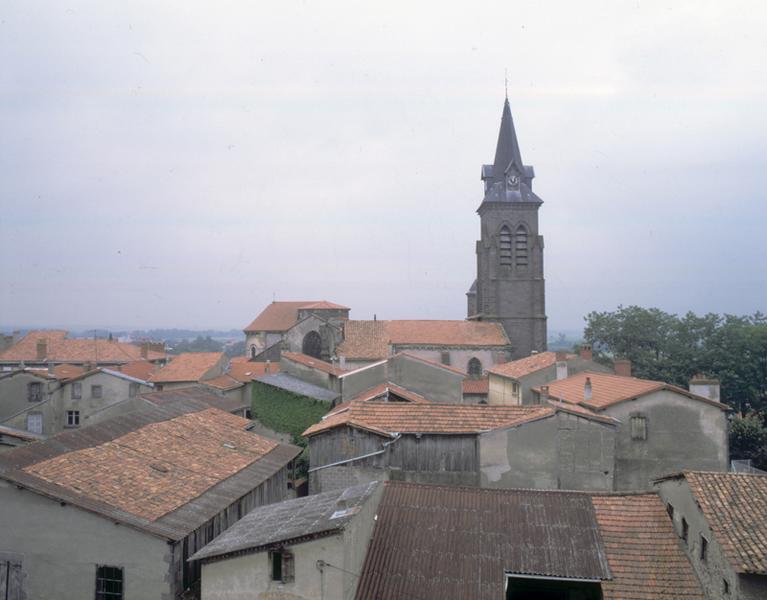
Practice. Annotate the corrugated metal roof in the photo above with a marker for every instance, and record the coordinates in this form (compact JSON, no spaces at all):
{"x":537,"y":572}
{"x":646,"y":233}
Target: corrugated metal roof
{"x":173,"y":525}
{"x":297,"y":386}
{"x":447,"y":542}
{"x":289,"y":520}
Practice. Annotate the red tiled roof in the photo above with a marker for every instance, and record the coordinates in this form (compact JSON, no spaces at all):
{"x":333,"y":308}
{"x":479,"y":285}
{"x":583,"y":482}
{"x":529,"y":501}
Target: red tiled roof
{"x":476,"y":386}
{"x":281,"y":316}
{"x":527,"y":365}
{"x":645,"y":558}
{"x":245,"y":371}
{"x":390,"y":417}
{"x":381,"y":393}
{"x":62,"y":349}
{"x":608,"y":389}
{"x":159,"y":467}
{"x":371,"y":339}
{"x":735,"y":507}
{"x":188,"y":366}
{"x":314,"y":363}
{"x":70,"y":371}
{"x":140,"y":369}
{"x":223,"y":382}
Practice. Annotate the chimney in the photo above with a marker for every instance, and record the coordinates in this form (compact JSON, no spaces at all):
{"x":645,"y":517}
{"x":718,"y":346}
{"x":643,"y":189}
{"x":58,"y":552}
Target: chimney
{"x":622,"y":367}
{"x":708,"y":388}
{"x":145,"y":350}
{"x":544,"y":393}
{"x":375,"y":317}
{"x":587,"y":389}
{"x":267,"y":367}
{"x":586,"y":352}
{"x":561,"y":369}
{"x":50,"y":368}
{"x":533,"y":352}
{"x":342,"y":363}
{"x":42,"y":348}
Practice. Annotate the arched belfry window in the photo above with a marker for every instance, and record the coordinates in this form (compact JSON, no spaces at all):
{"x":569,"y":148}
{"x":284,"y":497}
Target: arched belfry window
{"x":253,"y":352}
{"x":504,"y":246}
{"x":520,"y":247}
{"x":312,"y":344}
{"x":475,"y":368}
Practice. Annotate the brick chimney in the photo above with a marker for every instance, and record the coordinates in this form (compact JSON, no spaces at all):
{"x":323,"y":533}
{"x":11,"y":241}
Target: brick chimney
{"x":622,"y":367}
{"x":587,"y":389}
{"x":144,"y":350}
{"x":708,"y":388}
{"x":586,"y":353}
{"x":544,"y":393}
{"x":42,"y":348}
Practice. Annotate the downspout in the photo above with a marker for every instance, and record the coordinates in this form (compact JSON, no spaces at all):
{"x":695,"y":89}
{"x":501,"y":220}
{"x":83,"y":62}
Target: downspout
{"x":385,"y":447}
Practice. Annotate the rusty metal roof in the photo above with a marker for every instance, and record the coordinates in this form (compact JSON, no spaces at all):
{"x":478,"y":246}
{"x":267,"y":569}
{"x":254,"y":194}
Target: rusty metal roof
{"x":18,"y":466}
{"x":446,"y":542}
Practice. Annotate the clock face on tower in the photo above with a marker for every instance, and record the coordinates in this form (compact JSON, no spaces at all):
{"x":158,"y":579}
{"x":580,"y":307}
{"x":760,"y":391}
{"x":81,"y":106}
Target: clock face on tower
{"x":513,"y":181}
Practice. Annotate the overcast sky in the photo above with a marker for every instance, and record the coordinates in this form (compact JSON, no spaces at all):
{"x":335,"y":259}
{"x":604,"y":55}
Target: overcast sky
{"x":181,"y":164}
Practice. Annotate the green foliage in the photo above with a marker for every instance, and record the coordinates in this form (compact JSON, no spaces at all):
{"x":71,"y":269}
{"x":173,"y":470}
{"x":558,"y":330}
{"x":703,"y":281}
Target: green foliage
{"x":286,"y":412}
{"x":748,"y":439}
{"x":199,"y":344}
{"x":670,"y":348}
{"x":236,"y":349}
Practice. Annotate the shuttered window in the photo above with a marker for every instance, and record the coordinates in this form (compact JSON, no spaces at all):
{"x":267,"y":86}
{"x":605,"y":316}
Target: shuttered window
{"x":11,"y":581}
{"x":520,"y":247}
{"x":109,"y":583}
{"x":638,"y":427}
{"x":504,"y":246}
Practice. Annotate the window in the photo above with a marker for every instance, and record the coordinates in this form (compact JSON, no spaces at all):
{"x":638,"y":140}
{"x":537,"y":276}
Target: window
{"x":312,"y":344}
{"x":445,"y":357}
{"x":109,"y":583}
{"x":282,"y":566}
{"x":35,"y":391}
{"x":670,"y":510}
{"x":73,"y":418}
{"x":520,"y":247}
{"x":638,"y":427}
{"x":133,"y":390}
{"x":35,"y":422}
{"x":77,"y":390}
{"x":725,"y":587}
{"x":96,"y":391}
{"x":504,"y":246}
{"x":475,"y":368}
{"x":253,"y":352}
{"x":703,"y":547}
{"x":685,"y":529}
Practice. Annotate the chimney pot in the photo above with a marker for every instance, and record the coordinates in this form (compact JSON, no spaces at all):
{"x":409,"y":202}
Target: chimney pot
{"x":708,"y":388}
{"x":587,"y":391}
{"x":622,"y":367}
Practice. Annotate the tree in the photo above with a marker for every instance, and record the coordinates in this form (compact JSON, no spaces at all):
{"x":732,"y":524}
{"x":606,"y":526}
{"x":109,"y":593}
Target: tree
{"x":670,"y":348}
{"x":748,"y":440}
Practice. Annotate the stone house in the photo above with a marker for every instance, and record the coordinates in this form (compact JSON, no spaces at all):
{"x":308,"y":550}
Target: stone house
{"x":662,"y":428}
{"x":120,"y":506}
{"x":52,"y":347}
{"x":513,"y":382}
{"x":721,"y":520}
{"x":306,"y":548}
{"x":43,"y":403}
{"x":436,"y":542}
{"x":476,"y":445}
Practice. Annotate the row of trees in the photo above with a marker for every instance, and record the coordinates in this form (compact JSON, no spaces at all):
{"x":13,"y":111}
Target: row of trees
{"x":667,"y":347}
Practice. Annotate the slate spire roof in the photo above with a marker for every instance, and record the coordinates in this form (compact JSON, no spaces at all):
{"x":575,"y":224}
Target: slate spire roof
{"x":507,"y":150}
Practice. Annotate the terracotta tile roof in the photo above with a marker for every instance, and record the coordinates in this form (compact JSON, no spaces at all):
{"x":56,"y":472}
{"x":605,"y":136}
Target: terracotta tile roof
{"x":527,"y":365}
{"x":140,"y":369}
{"x":281,"y":316}
{"x":608,"y":389}
{"x":188,"y":366}
{"x":62,"y":349}
{"x":223,"y":382}
{"x":391,"y":417}
{"x":70,"y":371}
{"x":735,"y":507}
{"x":246,"y":371}
{"x":159,"y":467}
{"x":314,"y":363}
{"x":476,"y":386}
{"x":371,"y":339}
{"x":642,"y":548}
{"x":382,"y":393}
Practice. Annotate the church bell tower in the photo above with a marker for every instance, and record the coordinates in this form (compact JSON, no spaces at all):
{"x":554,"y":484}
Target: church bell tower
{"x":510,"y":288}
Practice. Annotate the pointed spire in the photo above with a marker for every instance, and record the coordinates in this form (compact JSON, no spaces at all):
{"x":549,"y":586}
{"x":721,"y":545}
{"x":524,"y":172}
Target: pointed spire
{"x":507,"y":150}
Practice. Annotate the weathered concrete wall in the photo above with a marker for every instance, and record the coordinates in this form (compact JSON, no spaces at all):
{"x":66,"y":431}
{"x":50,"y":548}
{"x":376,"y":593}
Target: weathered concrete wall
{"x":310,"y":375}
{"x":716,"y":568}
{"x":459,"y":357}
{"x":13,"y":394}
{"x":501,"y":390}
{"x":60,"y":547}
{"x":682,"y":434}
{"x":560,"y":452}
{"x":353,"y":384}
{"x":248,"y":577}
{"x":431,"y":381}
{"x":331,"y":336}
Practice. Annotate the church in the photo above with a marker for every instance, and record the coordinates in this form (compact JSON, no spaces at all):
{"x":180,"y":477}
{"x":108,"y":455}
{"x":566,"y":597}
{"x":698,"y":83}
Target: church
{"x":506,"y":317}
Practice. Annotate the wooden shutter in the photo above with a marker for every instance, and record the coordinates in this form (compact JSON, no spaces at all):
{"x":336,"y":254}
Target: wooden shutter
{"x":288,"y":569}
{"x":10,"y":580}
